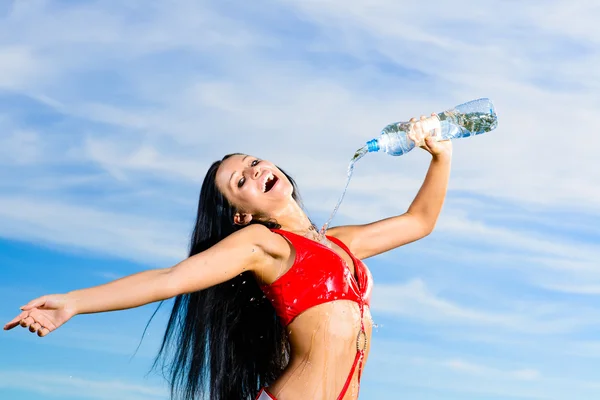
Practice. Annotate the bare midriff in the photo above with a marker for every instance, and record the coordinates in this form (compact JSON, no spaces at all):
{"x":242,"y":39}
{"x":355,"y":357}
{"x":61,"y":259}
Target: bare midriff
{"x":326,"y":340}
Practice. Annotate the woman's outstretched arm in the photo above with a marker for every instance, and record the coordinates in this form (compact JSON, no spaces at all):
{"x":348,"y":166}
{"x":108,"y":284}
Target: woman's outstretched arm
{"x":246,"y":250}
{"x":419,"y":220}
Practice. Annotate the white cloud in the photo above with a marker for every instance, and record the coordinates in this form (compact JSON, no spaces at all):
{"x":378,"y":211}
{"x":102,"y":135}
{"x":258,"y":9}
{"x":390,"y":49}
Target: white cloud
{"x":122,"y":162}
{"x":464,"y":372}
{"x":458,"y":225}
{"x":482,"y":370}
{"x":20,"y":147}
{"x":582,"y":348}
{"x":108,"y":275}
{"x":414,"y":300}
{"x":575,"y":289}
{"x":71,"y":226}
{"x":18,"y":67}
{"x":64,"y":386}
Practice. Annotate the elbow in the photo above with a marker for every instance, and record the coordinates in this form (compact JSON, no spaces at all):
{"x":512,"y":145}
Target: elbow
{"x":430,"y":228}
{"x":423,"y":223}
{"x":424,"y":229}
{"x":426,"y":226}
{"x":424,"y":233}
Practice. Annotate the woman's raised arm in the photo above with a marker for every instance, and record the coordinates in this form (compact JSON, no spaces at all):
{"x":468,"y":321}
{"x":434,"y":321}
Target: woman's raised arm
{"x":378,"y":237}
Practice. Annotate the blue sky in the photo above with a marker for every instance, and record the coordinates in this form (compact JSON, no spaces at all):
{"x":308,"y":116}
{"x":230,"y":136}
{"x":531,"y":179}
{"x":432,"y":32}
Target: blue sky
{"x":111,"y":112}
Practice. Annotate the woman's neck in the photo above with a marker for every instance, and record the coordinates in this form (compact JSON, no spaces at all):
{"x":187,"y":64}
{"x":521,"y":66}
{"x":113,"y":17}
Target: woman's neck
{"x":293,"y":218}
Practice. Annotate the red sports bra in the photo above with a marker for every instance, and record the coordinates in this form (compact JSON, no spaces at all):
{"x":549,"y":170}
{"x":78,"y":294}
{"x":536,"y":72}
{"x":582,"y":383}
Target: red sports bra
{"x":318,"y":275}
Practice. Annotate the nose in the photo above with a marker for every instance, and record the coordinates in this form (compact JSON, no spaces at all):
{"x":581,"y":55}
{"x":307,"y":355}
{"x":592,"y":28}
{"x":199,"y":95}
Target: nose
{"x":255,"y":172}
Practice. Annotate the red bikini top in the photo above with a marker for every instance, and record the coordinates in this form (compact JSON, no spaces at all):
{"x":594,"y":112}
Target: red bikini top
{"x":318,"y":275}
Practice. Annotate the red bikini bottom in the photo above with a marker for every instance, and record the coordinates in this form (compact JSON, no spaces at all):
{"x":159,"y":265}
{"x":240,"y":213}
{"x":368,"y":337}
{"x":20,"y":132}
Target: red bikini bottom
{"x":264,"y":395}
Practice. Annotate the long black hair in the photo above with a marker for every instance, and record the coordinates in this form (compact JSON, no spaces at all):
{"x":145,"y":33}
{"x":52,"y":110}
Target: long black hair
{"x":225,"y":342}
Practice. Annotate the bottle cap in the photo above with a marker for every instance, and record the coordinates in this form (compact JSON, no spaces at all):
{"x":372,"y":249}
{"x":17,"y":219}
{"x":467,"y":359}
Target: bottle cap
{"x":373,"y":145}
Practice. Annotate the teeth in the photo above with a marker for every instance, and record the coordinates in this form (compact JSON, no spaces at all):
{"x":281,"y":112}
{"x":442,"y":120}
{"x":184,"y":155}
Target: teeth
{"x":269,"y":179}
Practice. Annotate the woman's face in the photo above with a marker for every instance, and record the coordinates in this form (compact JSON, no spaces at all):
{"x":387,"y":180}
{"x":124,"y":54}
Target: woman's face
{"x":255,"y":187}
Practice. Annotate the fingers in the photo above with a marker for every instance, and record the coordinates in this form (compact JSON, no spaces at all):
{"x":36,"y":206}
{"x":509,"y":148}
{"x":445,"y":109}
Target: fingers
{"x":35,"y":327}
{"x":425,"y":132}
{"x":417,"y":133}
{"x":43,"y":320}
{"x":418,"y":125}
{"x":38,"y":328}
{"x":35,"y":321}
{"x":39,"y":302}
{"x":15,"y":321}
{"x":26,"y":322}
{"x":437,"y":130}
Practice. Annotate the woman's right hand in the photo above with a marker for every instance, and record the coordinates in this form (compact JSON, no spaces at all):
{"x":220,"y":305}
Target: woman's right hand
{"x":44,"y":314}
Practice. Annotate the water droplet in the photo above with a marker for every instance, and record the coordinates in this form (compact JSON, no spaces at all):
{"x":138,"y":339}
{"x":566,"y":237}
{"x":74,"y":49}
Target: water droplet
{"x":343,"y":294}
{"x":244,"y":282}
{"x":295,"y":301}
{"x":252,"y":299}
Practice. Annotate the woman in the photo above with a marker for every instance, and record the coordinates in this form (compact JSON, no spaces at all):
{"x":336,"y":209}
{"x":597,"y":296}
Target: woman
{"x":264,"y":307}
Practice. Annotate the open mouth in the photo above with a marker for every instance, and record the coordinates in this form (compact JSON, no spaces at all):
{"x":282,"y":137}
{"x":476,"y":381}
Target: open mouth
{"x":269,"y":183}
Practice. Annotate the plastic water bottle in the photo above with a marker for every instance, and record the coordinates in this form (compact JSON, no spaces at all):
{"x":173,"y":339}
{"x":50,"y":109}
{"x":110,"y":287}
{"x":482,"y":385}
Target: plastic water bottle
{"x":469,"y":119}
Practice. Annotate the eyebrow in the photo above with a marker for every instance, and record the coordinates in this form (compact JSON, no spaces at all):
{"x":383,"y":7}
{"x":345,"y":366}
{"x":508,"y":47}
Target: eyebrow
{"x":231,"y":177}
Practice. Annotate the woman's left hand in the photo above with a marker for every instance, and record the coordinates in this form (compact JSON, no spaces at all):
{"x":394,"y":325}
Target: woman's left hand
{"x":424,"y":132}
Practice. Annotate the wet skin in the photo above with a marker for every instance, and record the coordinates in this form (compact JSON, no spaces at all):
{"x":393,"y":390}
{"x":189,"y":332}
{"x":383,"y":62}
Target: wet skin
{"x":323,"y":338}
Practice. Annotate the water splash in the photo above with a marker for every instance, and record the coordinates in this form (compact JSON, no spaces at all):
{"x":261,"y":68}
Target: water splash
{"x":357,"y":156}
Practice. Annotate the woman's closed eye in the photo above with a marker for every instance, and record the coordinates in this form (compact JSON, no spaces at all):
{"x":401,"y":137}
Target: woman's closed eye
{"x":242,"y":179}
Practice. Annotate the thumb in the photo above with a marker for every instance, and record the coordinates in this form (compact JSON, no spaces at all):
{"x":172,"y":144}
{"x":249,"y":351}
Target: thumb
{"x":39,"y":302}
{"x":430,"y":142}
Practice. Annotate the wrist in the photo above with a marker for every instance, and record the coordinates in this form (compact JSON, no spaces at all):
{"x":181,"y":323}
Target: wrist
{"x":442,"y":157}
{"x":73,"y":303}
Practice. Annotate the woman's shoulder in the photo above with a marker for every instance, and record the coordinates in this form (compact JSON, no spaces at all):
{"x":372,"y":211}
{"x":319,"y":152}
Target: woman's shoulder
{"x":272,"y":243}
{"x":276,"y":249}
